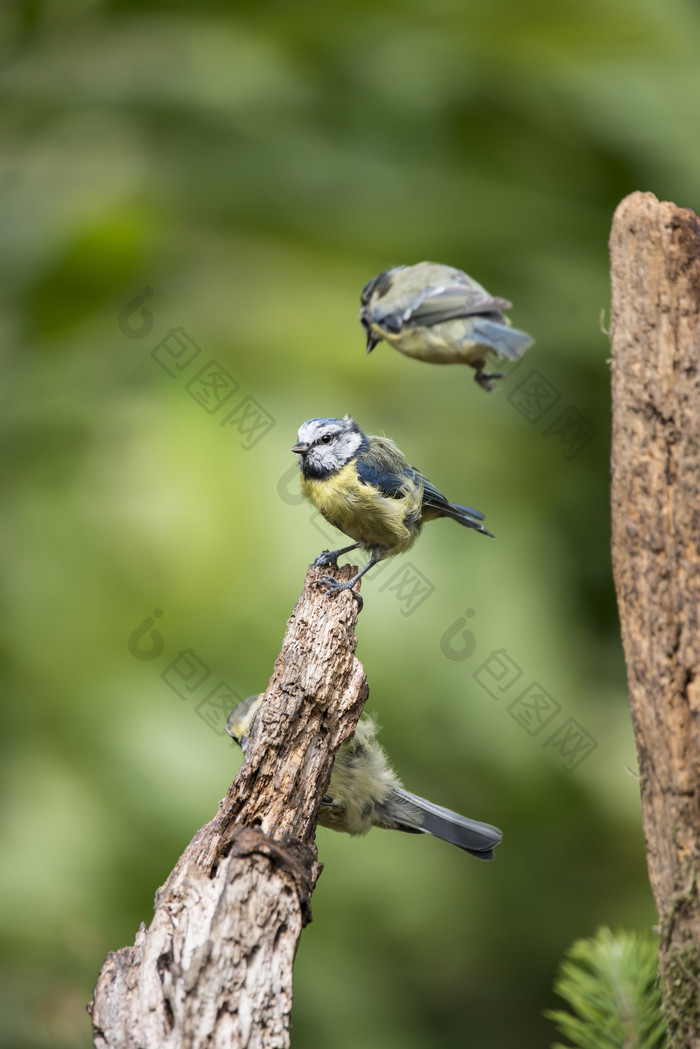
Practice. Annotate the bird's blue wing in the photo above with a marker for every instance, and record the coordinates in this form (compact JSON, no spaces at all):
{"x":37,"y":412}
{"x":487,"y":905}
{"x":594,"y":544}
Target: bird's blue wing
{"x":433,"y":499}
{"x":390,"y":483}
{"x":393,"y":483}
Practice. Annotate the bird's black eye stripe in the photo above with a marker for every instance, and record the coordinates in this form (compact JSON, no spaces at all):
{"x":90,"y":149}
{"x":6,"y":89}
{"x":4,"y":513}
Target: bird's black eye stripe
{"x":367,"y":291}
{"x":379,"y":285}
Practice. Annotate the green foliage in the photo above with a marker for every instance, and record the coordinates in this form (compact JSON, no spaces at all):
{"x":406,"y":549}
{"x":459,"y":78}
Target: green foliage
{"x":611,"y":984}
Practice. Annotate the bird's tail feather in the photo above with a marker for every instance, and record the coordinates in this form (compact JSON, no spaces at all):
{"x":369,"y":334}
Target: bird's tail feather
{"x":466,"y":516}
{"x":417,"y":815}
{"x":506,"y":341}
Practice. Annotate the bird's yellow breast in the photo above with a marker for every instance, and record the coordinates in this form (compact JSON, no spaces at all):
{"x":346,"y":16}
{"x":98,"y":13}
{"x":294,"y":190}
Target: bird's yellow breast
{"x":361,"y":782}
{"x":362,"y":512}
{"x":448,"y":343}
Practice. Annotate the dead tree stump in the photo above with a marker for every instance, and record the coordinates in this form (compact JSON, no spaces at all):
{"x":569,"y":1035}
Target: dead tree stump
{"x":655,"y":264}
{"x":214,"y":968}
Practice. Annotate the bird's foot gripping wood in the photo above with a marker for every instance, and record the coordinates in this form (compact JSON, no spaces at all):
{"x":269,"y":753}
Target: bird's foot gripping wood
{"x":330,"y":557}
{"x":333,"y":587}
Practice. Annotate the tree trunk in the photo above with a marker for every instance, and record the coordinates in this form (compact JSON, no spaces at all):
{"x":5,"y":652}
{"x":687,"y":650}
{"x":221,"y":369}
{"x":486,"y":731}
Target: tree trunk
{"x":214,"y":968}
{"x":655,"y":262}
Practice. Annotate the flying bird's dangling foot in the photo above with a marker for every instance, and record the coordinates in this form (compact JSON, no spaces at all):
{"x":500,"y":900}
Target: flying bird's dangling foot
{"x":484,"y":379}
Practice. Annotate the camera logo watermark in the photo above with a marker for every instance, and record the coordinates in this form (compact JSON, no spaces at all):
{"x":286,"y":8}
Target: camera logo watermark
{"x":535,"y":398}
{"x":530,"y":705}
{"x":187,"y":675}
{"x":409,"y":586}
{"x":211,"y":386}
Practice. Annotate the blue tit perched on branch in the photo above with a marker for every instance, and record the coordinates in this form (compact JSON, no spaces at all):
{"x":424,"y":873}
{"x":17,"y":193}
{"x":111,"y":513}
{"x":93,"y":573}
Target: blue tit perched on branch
{"x":364,"y":487}
{"x":439,"y":314}
{"x":365,"y":792}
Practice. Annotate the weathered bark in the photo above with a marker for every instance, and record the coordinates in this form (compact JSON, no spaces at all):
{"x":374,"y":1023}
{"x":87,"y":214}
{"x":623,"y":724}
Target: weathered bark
{"x":655,"y":261}
{"x":214,"y":968}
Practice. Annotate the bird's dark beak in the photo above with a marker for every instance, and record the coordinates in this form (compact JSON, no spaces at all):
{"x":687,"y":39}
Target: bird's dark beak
{"x":299,"y":449}
{"x":372,"y":340}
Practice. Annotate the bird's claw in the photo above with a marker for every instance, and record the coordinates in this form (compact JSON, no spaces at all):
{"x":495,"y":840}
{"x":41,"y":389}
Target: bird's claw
{"x":332,"y":587}
{"x":328,"y":557}
{"x":485,"y":379}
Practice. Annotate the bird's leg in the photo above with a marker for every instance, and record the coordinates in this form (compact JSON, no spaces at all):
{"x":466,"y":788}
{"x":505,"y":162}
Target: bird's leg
{"x":330,"y":557}
{"x":332,"y":587}
{"x":484,"y":378}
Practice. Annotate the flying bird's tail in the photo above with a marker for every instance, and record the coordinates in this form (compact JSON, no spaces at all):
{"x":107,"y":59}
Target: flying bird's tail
{"x":405,"y":811}
{"x":504,"y":341}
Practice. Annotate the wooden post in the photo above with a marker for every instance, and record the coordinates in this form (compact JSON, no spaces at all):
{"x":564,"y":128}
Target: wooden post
{"x":214,"y":968}
{"x":655,"y":265}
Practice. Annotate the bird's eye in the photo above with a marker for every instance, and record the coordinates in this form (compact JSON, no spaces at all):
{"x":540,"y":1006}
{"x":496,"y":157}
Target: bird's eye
{"x":326,"y":439}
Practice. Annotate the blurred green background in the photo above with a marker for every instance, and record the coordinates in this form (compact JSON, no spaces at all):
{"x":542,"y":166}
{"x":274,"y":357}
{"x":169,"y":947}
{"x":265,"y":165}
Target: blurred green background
{"x":253,"y":165}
